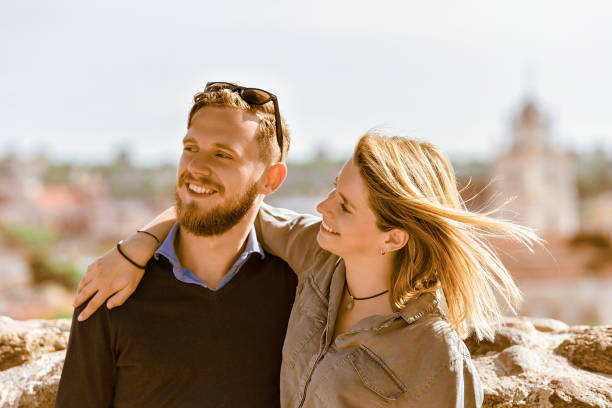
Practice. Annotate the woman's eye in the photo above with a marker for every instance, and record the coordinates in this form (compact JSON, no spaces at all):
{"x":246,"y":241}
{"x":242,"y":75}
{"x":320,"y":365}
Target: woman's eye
{"x":189,"y":148}
{"x":344,"y":209}
{"x":223,"y":156}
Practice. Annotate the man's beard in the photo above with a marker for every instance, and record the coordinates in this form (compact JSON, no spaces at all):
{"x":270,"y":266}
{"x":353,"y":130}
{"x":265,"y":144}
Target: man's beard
{"x":217,"y":220}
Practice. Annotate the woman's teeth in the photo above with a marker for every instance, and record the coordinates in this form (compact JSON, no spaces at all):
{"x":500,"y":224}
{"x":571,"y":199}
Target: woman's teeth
{"x":200,"y":190}
{"x":328,"y":228}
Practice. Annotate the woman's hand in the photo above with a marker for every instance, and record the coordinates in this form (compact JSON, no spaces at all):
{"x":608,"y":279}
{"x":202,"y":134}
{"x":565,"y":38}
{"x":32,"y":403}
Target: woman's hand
{"x":109,"y":275}
{"x":112,"y":275}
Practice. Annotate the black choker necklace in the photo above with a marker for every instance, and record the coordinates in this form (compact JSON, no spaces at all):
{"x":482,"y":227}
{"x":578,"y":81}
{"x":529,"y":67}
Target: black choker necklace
{"x":350,"y":304}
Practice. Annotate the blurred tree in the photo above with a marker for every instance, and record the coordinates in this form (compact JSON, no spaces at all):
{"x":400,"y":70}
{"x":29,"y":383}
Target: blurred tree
{"x":594,"y":173}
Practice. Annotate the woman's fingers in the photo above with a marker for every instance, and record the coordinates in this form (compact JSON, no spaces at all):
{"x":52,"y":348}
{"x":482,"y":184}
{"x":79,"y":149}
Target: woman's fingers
{"x":108,"y":276}
{"x":89,"y":275}
{"x":84,"y":293}
{"x":120,"y":297}
{"x":93,"y":305}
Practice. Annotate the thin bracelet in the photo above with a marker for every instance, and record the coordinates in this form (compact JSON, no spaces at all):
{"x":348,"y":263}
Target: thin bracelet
{"x":148,"y":233}
{"x":126,"y":257}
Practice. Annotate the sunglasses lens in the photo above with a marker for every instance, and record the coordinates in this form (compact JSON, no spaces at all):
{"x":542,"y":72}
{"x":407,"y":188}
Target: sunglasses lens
{"x":255,"y":96}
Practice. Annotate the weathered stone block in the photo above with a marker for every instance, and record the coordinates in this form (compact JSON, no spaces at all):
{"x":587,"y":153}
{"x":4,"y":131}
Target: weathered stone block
{"x":531,"y":363}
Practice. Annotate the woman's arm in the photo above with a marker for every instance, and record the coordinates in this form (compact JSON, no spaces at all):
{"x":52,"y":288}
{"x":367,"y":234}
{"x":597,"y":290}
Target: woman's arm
{"x":290,"y":236}
{"x":112,"y":275}
{"x":284,"y":233}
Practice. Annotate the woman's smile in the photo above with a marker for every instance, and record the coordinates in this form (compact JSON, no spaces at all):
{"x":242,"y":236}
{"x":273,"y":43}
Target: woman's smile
{"x":326,"y":228}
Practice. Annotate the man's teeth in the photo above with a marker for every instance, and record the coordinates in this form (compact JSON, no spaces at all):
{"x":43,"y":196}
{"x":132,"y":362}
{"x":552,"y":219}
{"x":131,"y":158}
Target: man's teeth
{"x":200,"y":190}
{"x":327,"y":228}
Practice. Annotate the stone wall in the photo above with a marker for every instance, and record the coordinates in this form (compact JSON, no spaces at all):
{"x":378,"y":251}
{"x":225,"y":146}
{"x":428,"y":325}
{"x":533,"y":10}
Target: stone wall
{"x":531,"y":363}
{"x":31,"y":359}
{"x":545,"y":363}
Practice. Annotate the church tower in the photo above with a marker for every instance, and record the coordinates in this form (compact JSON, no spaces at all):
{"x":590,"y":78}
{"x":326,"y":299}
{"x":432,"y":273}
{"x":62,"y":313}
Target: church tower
{"x":539,"y":177}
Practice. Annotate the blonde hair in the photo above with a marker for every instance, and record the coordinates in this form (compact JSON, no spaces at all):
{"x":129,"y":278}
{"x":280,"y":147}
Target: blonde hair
{"x":266,"y":131}
{"x":412,"y":186}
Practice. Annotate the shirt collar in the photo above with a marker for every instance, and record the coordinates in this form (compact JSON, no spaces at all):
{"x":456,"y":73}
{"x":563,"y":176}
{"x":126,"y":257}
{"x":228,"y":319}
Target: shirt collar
{"x":253,"y":245}
{"x":413,"y":311}
{"x":167,"y":247}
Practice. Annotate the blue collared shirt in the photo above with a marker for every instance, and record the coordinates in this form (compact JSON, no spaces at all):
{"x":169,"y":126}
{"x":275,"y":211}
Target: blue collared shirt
{"x":185,"y":275}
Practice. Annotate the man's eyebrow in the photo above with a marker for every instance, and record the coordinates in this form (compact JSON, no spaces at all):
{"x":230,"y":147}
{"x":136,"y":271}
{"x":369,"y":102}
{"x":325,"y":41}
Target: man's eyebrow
{"x":346,"y":201}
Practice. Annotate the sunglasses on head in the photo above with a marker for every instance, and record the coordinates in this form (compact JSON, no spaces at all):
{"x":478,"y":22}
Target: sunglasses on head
{"x":253,"y":96}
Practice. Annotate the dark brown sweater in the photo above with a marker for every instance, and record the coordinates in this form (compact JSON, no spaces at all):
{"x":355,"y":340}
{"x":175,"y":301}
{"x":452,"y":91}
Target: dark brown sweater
{"x":174,"y":344}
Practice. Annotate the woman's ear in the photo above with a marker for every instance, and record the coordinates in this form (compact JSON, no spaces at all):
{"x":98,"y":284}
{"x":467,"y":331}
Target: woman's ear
{"x":396,"y":239}
{"x":273,"y":177}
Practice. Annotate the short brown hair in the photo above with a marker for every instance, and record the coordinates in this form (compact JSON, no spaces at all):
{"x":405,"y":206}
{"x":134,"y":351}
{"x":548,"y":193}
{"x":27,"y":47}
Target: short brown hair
{"x":266,"y":131}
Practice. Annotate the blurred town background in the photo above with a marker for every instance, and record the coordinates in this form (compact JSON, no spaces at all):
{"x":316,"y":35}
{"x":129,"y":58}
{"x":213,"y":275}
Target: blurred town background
{"x":57,"y":217}
{"x":94,"y":97}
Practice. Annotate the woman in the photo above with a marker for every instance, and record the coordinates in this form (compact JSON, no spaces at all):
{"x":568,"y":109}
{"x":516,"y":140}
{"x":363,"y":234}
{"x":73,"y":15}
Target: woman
{"x":389,"y":281}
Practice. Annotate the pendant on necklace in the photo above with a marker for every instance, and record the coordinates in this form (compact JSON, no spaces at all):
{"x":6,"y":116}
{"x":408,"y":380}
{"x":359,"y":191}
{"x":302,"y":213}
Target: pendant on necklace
{"x":349,"y":305}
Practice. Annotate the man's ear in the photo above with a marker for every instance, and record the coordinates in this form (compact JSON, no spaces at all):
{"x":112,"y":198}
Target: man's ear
{"x":273,"y":177}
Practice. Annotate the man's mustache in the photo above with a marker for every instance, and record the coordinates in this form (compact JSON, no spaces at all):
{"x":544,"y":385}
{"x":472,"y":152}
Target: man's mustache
{"x":189,"y":178}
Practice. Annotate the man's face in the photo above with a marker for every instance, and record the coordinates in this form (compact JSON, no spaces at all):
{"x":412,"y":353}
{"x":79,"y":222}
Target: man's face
{"x":219,"y":170}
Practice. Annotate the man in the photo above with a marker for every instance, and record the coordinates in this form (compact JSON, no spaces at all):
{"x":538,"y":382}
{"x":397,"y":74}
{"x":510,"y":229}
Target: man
{"x":206,"y":325}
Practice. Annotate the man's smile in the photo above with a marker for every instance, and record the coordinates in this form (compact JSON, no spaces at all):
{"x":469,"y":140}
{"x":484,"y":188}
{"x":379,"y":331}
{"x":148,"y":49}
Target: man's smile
{"x":200,"y":190}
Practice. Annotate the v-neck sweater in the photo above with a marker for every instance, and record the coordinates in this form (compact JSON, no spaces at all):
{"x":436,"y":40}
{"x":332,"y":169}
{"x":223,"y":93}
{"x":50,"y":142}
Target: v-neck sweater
{"x":175,"y":344}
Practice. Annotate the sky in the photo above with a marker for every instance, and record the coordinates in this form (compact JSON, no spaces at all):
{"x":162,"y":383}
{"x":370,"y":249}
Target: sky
{"x":81,"y":80}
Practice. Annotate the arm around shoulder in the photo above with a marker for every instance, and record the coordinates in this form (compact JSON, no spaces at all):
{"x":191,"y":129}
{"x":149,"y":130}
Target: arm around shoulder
{"x":289,"y":235}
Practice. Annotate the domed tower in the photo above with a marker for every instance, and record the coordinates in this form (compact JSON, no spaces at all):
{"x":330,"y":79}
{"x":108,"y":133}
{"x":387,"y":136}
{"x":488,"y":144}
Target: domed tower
{"x":540,"y":178}
{"x":530,"y":129}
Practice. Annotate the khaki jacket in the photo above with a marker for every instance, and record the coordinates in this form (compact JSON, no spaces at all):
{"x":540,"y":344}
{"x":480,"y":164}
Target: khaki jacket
{"x":412,"y":358}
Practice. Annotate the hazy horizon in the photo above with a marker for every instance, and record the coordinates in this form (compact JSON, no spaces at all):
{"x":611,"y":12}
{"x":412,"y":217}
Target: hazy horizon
{"x":81,"y":80}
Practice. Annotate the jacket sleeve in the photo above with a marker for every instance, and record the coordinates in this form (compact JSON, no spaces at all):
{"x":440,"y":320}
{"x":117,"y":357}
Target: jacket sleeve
{"x":290,"y":236}
{"x":88,"y":376}
{"x":457,"y":385}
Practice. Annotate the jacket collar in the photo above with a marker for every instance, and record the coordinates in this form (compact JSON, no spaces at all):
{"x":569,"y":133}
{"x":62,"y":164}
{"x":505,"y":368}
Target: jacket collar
{"x":416,"y":308}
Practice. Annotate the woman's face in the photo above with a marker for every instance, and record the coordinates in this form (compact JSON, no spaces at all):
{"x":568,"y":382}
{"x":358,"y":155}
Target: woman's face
{"x":349,"y":225}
